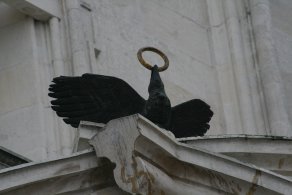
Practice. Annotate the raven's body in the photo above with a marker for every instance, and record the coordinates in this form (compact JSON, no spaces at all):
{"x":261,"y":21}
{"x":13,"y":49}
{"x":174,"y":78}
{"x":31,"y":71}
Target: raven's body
{"x":99,"y":98}
{"x":157,"y":108}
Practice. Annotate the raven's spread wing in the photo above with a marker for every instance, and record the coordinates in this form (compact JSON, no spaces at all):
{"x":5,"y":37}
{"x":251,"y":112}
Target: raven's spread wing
{"x":94,"y":98}
{"x":190,"y":118}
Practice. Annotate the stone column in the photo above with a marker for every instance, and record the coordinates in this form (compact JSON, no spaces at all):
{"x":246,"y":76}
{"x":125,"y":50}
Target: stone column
{"x":268,"y":69}
{"x":230,"y":115}
{"x":63,"y":132}
{"x":232,"y":20}
{"x":77,"y":41}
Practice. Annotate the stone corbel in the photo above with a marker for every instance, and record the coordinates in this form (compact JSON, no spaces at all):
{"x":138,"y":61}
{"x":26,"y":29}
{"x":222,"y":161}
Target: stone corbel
{"x":150,"y":161}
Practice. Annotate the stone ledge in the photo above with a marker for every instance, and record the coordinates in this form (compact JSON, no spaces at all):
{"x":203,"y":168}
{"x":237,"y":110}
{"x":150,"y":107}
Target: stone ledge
{"x":270,"y":152}
{"x":149,"y":161}
{"x":41,"y":10}
{"x":242,"y":143}
{"x":9,"y":158}
{"x":80,"y":173}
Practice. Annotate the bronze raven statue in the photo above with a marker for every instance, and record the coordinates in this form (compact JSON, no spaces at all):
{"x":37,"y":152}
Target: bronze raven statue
{"x":99,"y":98}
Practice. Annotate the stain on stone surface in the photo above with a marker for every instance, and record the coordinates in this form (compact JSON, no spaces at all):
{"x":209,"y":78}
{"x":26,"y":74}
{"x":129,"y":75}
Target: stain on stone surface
{"x":67,"y":168}
{"x":239,"y":188}
{"x":148,"y":179}
{"x":281,"y":162}
{"x":235,"y":188}
{"x":255,"y":181}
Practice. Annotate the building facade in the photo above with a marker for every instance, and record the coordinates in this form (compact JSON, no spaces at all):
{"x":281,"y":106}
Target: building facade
{"x":233,"y":54}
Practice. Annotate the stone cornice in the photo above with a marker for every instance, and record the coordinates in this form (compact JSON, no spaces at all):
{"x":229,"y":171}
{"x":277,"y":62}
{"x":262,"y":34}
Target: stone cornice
{"x":150,"y":161}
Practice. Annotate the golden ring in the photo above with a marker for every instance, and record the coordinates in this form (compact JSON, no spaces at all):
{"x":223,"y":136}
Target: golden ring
{"x":149,"y":66}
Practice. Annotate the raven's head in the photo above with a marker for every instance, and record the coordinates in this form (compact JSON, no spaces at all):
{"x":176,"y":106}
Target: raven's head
{"x":158,"y":107}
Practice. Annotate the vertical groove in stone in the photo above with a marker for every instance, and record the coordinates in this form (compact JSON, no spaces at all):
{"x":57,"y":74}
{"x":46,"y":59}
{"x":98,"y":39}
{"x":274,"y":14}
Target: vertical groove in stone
{"x":56,"y":47}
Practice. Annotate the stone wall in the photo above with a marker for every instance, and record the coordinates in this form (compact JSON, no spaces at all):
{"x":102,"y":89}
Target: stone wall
{"x":219,"y":51}
{"x":282,"y":34}
{"x":27,"y":124}
{"x":180,"y":29}
{"x":210,"y":49}
{"x":20,"y":116}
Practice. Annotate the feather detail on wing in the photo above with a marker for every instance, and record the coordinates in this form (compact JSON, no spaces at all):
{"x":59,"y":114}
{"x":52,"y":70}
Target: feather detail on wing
{"x":190,"y":118}
{"x":94,"y":98}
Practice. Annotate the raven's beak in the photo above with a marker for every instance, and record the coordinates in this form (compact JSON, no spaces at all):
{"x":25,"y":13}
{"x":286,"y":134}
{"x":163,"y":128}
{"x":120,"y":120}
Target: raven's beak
{"x":156,"y":84}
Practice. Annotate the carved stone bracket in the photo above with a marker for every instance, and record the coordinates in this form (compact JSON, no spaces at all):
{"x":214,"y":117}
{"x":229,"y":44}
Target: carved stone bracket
{"x":150,"y":161}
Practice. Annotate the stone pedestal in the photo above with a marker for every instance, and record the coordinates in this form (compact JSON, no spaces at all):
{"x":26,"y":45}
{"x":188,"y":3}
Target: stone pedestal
{"x":151,"y":161}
